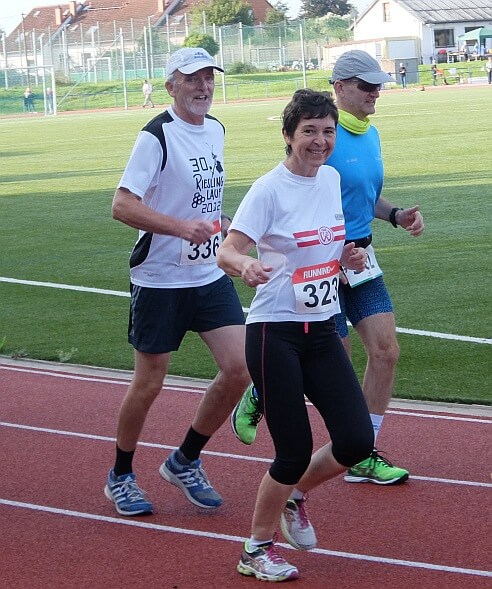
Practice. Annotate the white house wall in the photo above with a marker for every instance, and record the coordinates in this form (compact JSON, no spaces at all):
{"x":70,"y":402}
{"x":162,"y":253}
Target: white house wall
{"x":396,"y":34}
{"x":401,"y":23}
{"x":427,"y":44}
{"x":401,"y":48}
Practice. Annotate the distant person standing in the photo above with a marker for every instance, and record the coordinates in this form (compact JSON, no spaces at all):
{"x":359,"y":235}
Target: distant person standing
{"x":434,"y":74}
{"x":29,"y":100}
{"x":49,"y":100}
{"x":147,"y":90}
{"x":488,"y":67}
{"x":403,"y":76}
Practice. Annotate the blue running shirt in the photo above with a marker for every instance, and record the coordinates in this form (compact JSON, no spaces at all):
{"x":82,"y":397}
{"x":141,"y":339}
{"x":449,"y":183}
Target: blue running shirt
{"x":358,"y":160}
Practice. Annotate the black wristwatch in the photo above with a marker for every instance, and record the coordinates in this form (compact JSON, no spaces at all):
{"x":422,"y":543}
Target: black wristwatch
{"x":392,"y":217}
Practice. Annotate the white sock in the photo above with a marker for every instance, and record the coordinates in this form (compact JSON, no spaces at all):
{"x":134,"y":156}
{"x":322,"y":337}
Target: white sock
{"x":253,"y":543}
{"x":377,"y":422}
{"x":296,"y":495}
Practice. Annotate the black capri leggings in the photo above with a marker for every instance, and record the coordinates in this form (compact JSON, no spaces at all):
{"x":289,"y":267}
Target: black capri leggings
{"x":290,"y":360}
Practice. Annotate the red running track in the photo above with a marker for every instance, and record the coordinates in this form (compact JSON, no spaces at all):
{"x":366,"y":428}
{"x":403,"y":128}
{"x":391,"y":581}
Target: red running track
{"x":58,"y":530}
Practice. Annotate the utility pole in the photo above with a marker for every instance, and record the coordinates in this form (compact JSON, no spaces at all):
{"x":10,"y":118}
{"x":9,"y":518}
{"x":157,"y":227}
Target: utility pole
{"x":25,"y":49}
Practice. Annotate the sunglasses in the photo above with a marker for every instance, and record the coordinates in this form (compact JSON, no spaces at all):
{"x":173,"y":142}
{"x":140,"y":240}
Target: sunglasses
{"x":365,"y":86}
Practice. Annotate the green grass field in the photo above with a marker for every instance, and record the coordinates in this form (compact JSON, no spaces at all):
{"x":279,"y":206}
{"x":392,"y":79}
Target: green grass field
{"x":57,"y":179}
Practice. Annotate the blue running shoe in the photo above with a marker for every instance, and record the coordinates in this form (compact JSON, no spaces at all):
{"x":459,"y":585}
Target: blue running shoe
{"x":127,"y":496}
{"x":192,"y":480}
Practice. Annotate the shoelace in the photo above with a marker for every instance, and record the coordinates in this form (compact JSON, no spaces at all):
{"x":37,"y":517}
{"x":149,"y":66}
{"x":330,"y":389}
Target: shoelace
{"x":376,"y":457}
{"x":132,"y":491}
{"x":257,"y":413}
{"x":303,"y":518}
{"x":273,"y":555}
{"x":191,"y":475}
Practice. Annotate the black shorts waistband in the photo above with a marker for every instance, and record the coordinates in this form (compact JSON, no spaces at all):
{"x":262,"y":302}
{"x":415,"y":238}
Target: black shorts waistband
{"x":361,"y":242}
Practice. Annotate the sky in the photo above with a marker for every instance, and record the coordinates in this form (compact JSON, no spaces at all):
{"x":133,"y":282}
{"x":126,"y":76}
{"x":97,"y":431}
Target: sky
{"x":10,"y":12}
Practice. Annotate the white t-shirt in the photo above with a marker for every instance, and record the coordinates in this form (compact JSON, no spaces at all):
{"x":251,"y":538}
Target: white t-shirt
{"x":177,"y":169}
{"x":298,"y":226}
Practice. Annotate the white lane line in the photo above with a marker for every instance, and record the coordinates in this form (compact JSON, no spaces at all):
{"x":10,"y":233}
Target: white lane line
{"x":108,"y":380}
{"x":200,"y":390}
{"x":228,"y":455}
{"x":443,"y":417}
{"x":118,"y":293}
{"x":230,"y":538}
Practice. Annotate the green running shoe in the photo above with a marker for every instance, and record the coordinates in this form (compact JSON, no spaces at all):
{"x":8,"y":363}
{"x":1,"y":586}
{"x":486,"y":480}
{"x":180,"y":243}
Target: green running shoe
{"x":246,"y":417}
{"x":378,"y":470}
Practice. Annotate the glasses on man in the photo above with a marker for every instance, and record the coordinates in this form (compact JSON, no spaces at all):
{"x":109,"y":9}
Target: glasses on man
{"x":365,"y":86}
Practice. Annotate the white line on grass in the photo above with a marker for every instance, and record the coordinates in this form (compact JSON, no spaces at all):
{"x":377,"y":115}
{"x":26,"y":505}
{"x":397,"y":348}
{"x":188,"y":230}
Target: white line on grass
{"x":118,"y":293}
{"x":45,"y":430}
{"x":238,"y":539}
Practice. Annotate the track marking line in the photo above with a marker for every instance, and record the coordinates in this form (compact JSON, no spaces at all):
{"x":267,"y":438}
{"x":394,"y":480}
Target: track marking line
{"x":238,"y":539}
{"x":228,"y":455}
{"x":200,"y":390}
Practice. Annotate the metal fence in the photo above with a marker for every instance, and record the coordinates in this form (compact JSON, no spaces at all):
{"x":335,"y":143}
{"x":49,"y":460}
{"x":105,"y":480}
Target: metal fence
{"x":109,"y":51}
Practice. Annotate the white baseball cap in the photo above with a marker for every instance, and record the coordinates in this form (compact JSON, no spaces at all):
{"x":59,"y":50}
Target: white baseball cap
{"x":189,"y":60}
{"x":359,"y":64}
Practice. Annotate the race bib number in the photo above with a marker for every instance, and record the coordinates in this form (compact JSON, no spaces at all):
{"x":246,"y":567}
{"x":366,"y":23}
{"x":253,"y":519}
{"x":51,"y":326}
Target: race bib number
{"x":203,"y":253}
{"x":370,"y":272}
{"x":316,"y":288}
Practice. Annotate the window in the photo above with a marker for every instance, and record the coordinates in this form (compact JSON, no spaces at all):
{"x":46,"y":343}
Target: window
{"x":444,"y":38}
{"x":386,"y":12}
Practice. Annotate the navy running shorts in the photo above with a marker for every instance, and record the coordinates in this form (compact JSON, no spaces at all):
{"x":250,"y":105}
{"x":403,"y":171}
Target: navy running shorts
{"x":367,"y":299}
{"x":160,"y":317}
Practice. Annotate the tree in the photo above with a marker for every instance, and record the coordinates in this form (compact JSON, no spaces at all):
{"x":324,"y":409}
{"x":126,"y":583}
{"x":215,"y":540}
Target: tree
{"x":316,"y":8}
{"x":201,"y":40}
{"x":226,"y":12}
{"x":339,"y":28}
{"x":276,"y":14}
{"x":328,"y":28}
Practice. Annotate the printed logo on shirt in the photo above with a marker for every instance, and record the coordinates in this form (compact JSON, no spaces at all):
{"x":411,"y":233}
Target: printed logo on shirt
{"x":322,"y":236}
{"x":209,"y":183}
{"x":316,"y":272}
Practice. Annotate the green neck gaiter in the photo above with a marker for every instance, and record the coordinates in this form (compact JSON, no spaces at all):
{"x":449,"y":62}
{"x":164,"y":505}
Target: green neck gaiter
{"x":353,"y":124}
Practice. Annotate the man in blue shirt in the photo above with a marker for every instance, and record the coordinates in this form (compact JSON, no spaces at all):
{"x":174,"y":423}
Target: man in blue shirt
{"x":357,"y":79}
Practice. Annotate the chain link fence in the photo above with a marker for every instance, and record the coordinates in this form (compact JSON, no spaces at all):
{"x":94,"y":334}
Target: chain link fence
{"x":100,"y":52}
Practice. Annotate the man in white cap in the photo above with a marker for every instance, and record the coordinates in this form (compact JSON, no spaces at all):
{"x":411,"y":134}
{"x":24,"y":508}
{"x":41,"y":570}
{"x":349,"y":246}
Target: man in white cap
{"x":357,"y":79}
{"x":171,"y":191}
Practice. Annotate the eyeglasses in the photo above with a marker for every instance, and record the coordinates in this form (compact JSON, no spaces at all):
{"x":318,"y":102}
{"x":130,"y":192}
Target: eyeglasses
{"x":365,"y":86}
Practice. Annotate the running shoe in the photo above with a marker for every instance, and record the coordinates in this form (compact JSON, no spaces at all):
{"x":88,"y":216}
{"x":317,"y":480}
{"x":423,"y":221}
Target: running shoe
{"x":296,"y":527}
{"x":376,"y":469}
{"x":246,"y":417}
{"x":266,"y":564}
{"x":192,"y":480}
{"x":127,"y":496}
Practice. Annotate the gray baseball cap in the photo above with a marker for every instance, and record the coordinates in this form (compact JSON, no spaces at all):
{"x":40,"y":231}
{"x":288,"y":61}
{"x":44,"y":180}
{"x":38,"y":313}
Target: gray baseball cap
{"x":359,"y":64}
{"x":189,"y":60}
